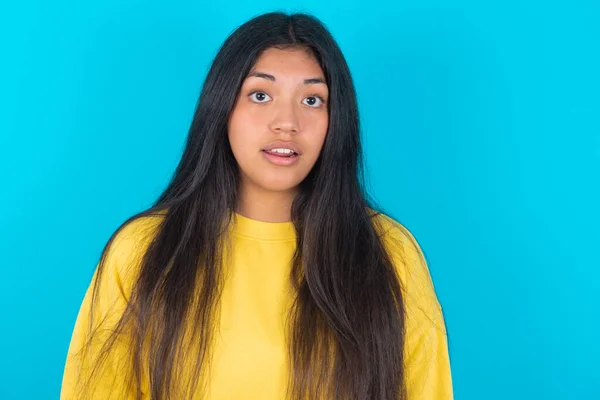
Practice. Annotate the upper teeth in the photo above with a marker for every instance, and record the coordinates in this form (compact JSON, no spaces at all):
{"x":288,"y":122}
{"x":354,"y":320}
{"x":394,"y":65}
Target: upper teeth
{"x":282,"y":151}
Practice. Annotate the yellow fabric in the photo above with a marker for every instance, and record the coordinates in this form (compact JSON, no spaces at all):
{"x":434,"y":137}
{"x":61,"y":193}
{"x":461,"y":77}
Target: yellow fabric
{"x":249,"y":350}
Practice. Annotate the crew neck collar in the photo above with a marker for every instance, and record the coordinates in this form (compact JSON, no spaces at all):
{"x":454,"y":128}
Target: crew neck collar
{"x":263,"y":230}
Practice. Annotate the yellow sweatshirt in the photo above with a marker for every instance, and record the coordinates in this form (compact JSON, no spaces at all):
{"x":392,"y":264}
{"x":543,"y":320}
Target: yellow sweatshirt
{"x":249,"y":353}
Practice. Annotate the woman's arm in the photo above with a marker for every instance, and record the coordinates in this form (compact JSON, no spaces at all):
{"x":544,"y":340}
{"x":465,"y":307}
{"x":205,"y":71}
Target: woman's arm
{"x":427,"y":362}
{"x":107,"y":379}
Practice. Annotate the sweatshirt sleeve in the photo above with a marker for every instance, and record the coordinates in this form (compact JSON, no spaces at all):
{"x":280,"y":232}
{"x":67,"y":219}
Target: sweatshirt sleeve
{"x":427,"y":361}
{"x":108,"y":380}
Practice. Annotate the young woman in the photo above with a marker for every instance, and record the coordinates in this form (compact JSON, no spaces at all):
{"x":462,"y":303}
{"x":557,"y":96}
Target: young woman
{"x":264,"y":270}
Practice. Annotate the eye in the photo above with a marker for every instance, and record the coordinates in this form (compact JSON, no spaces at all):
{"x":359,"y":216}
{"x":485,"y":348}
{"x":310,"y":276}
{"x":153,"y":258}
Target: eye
{"x":314,"y":101}
{"x":258,"y":97}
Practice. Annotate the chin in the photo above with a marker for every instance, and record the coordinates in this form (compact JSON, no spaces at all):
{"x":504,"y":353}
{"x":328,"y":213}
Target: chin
{"x":277,"y":185}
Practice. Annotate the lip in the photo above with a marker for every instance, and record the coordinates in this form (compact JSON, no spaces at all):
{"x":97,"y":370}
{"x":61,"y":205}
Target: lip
{"x":281,"y":161}
{"x":284,"y":145}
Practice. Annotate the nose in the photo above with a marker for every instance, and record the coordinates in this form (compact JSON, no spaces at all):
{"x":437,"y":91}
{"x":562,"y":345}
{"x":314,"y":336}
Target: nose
{"x":285,"y":118}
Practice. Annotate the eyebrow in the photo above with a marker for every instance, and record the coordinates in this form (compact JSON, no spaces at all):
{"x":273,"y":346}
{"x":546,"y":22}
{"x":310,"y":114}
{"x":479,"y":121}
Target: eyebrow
{"x":310,"y":81}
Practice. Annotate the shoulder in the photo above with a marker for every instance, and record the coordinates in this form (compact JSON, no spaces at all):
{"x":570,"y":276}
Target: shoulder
{"x":133,"y":237}
{"x":400,"y":243}
{"x":123,"y":256}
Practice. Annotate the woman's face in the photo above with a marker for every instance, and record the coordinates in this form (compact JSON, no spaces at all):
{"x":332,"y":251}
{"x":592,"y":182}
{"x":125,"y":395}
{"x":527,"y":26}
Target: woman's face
{"x":282,"y":104}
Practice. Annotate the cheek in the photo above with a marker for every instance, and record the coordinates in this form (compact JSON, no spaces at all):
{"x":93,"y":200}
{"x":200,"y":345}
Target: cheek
{"x":243,"y":132}
{"x":318,"y":129}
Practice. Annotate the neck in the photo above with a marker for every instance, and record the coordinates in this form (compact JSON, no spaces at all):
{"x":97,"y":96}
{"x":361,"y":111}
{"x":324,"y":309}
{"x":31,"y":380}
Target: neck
{"x":263,"y":205}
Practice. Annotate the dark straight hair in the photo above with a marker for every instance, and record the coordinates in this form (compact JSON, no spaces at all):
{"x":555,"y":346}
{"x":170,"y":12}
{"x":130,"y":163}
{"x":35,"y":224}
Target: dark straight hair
{"x":346,"y":325}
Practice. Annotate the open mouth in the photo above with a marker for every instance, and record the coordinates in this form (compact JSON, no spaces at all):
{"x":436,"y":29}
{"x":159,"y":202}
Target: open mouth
{"x":280,"y":158}
{"x":282,"y":155}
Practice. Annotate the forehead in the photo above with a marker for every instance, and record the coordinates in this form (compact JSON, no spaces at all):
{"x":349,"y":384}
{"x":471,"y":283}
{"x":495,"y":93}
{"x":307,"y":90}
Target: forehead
{"x":291,"y":62}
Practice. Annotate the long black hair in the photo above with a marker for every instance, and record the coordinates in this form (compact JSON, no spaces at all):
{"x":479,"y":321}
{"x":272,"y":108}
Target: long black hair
{"x":346,"y":325}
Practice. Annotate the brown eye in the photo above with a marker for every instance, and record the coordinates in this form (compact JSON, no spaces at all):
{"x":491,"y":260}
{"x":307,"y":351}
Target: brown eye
{"x":258,"y":97}
{"x":313,"y":101}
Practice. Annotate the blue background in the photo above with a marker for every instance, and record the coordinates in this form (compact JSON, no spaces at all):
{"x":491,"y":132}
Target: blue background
{"x":482,"y":135}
